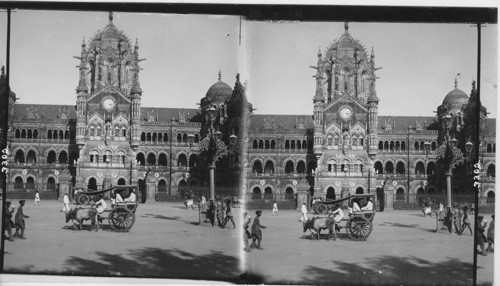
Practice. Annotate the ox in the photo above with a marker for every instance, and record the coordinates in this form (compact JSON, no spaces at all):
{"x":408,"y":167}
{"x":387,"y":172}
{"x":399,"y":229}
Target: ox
{"x":317,"y":224}
{"x":79,"y":215}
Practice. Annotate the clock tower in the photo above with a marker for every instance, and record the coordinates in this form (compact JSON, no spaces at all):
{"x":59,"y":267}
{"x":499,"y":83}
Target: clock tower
{"x":108,"y":109}
{"x":345,"y":117}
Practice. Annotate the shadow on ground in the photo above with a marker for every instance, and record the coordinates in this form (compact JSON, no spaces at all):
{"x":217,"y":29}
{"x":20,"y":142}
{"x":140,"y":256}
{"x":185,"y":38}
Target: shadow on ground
{"x":155,"y":263}
{"x":386,"y":270}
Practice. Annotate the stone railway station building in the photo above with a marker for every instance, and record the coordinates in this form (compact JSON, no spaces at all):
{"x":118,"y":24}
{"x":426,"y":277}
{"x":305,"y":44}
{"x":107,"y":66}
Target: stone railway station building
{"x":342,"y":147}
{"x":345,"y":147}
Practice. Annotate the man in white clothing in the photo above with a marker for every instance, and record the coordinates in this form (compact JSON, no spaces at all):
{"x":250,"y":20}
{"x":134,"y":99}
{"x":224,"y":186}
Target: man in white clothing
{"x":369,"y":205}
{"x":66,"y":203}
{"x":304,"y":213}
{"x":131,"y":198}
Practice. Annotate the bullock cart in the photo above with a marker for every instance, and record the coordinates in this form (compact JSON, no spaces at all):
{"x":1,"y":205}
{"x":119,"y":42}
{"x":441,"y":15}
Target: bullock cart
{"x":121,"y":216}
{"x":358,"y":225}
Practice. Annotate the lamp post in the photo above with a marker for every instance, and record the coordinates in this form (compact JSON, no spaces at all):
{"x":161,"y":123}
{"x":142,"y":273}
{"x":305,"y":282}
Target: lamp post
{"x":449,"y":156}
{"x":212,"y":147}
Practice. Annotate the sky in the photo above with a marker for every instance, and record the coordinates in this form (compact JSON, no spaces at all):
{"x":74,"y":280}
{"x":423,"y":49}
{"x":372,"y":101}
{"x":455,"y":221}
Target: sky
{"x":185,"y":52}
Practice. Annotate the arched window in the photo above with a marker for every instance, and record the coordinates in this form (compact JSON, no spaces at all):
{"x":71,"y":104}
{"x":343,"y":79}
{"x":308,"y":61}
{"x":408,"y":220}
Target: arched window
{"x":268,"y":193}
{"x":23,"y":133}
{"x":92,"y":185}
{"x":380,"y":145}
{"x":386,"y":145}
{"x":162,"y":186}
{"x":391,"y":146}
{"x":304,"y":144}
{"x":121,"y":182}
{"x":193,"y":160}
{"x":289,"y":167}
{"x":299,"y":145}
{"x":257,"y":167}
{"x":51,"y":157}
{"x":420,"y":168}
{"x":330,"y":193}
{"x":35,"y":134}
{"x":269,"y":167}
{"x":287,"y":144}
{"x":489,"y":148}
{"x":148,"y":137}
{"x":379,"y":169}
{"x":256,"y":193}
{"x":154,"y":137}
{"x":66,"y":134}
{"x":273,"y":144}
{"x":360,"y":190}
{"x":301,"y":167}
{"x":18,"y":134}
{"x":63,"y":157}
{"x":140,"y":159}
{"x":179,"y":138}
{"x":19,"y":158}
{"x":61,"y":134}
{"x":143,"y":137}
{"x":51,"y":183}
{"x":292,"y":144}
{"x":403,"y":146}
{"x":433,"y":145}
{"x":416,"y":146}
{"x":151,"y":159}
{"x":400,"y":168}
{"x":389,"y":168}
{"x":162,"y":160}
{"x":182,"y":161}
{"x":491,"y":171}
{"x":18,"y":183}
{"x":490,"y":199}
{"x":261,"y":144}
{"x":165,"y":137}
{"x":430,"y":168}
{"x":31,"y":157}
{"x":289,"y":193}
{"x":184,"y":138}
{"x":30,"y":134}
{"x":255,"y":144}
{"x":30,"y":183}
{"x":400,"y":194}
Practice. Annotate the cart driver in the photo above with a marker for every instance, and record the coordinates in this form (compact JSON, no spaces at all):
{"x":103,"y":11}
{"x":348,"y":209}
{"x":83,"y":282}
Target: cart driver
{"x":368,"y":206}
{"x":131,"y":198}
{"x":101,"y":206}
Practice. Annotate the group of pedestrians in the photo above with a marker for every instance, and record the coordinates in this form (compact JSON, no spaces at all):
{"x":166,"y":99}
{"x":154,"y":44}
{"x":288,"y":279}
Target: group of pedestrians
{"x":18,"y":222}
{"x":220,"y":210}
{"x":255,"y":234}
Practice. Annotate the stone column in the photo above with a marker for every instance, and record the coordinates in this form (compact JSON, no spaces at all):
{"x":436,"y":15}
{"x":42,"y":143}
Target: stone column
{"x":303,"y":194}
{"x":64,"y":185}
{"x":389,"y":198}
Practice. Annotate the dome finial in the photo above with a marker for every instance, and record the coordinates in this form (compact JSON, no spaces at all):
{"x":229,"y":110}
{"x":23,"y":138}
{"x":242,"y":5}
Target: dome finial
{"x":136,"y":43}
{"x":220,"y":76}
{"x":473,"y":85}
{"x":110,"y":16}
{"x":456,"y":80}
{"x":319,"y":52}
{"x":237,"y":77}
{"x":346,"y":27}
{"x":83,"y":42}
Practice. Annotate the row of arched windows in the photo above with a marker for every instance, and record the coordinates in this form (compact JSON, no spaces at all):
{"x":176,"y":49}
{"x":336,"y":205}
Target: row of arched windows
{"x":117,"y":131}
{"x":268,"y":193}
{"x":269,"y":168}
{"x":352,"y":141}
{"x":52,"y":157}
{"x":19,"y":183}
{"x":271,"y":144}
{"x":162,"y":160}
{"x":491,"y":148}
{"x":401,"y":145}
{"x":400,"y":168}
{"x":163,"y":137}
{"x":51,"y":134}
{"x":26,"y":133}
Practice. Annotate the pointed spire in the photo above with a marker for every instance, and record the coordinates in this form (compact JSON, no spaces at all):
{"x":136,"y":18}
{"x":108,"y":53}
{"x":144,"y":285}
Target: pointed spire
{"x":220,"y":76}
{"x":83,"y":42}
{"x":136,"y":87}
{"x":346,"y":28}
{"x":319,"y":52}
{"x":110,"y":17}
{"x":136,"y":43}
{"x":456,"y":82}
{"x":473,"y":85}
{"x":372,"y":54}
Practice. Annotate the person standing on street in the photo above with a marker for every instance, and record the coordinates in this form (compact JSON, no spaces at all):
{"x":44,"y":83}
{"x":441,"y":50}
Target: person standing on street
{"x":466,"y":220}
{"x":229,"y":214}
{"x":246,"y":234}
{"x":490,"y":236}
{"x":37,"y":198}
{"x":481,"y":238}
{"x":275,"y":208}
{"x":303,"y":210}
{"x":66,"y":203}
{"x":8,"y":224}
{"x":19,"y":220}
{"x":256,"y":232}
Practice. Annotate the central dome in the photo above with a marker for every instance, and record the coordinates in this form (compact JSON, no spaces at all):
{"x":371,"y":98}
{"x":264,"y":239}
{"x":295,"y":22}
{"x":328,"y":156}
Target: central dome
{"x":219,"y":92}
{"x":456,"y":96}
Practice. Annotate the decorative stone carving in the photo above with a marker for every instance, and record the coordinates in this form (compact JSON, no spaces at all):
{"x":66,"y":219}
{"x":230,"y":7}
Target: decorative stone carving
{"x":269,"y":123}
{"x":63,"y":113}
{"x":300,"y":123}
{"x":183,"y":116}
{"x":32,"y":112}
{"x":152,"y":116}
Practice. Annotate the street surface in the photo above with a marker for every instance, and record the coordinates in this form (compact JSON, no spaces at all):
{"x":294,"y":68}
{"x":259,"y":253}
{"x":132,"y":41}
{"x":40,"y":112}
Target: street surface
{"x":403,"y":249}
{"x":165,"y":241}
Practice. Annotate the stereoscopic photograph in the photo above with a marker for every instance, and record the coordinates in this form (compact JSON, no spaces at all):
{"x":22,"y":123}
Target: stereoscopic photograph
{"x":247,"y":148}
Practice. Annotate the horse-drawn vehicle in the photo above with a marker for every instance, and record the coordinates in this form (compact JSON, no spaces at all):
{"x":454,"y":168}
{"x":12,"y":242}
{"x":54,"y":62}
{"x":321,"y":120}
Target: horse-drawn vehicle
{"x":358,"y":224}
{"x":121,"y":217}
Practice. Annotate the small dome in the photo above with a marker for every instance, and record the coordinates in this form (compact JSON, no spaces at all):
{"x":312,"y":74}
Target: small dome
{"x":219,"y":92}
{"x":455,"y":97}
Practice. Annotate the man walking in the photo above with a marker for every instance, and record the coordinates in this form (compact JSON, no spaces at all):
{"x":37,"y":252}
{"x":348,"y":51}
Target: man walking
{"x":37,"y":198}
{"x":303,"y":210}
{"x":246,"y":234}
{"x":275,"y":208}
{"x":19,"y":220}
{"x":256,"y":232}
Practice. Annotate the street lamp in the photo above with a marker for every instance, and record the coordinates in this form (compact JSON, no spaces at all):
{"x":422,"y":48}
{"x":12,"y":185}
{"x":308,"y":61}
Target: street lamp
{"x":449,"y":156}
{"x":212,"y":147}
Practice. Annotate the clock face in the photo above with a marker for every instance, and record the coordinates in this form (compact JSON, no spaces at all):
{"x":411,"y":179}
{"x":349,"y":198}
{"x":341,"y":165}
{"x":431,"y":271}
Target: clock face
{"x":108,"y":104}
{"x":345,"y":113}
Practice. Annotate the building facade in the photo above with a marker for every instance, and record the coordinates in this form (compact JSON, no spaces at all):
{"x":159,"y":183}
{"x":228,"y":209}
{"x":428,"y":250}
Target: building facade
{"x":345,"y":147}
{"x":108,"y":138}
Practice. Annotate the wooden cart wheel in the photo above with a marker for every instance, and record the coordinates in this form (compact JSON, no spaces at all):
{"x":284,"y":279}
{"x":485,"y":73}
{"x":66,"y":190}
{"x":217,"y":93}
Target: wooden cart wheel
{"x":358,"y":228}
{"x":315,"y":209}
{"x":322,"y":209}
{"x":121,"y":219}
{"x":82,"y":199}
